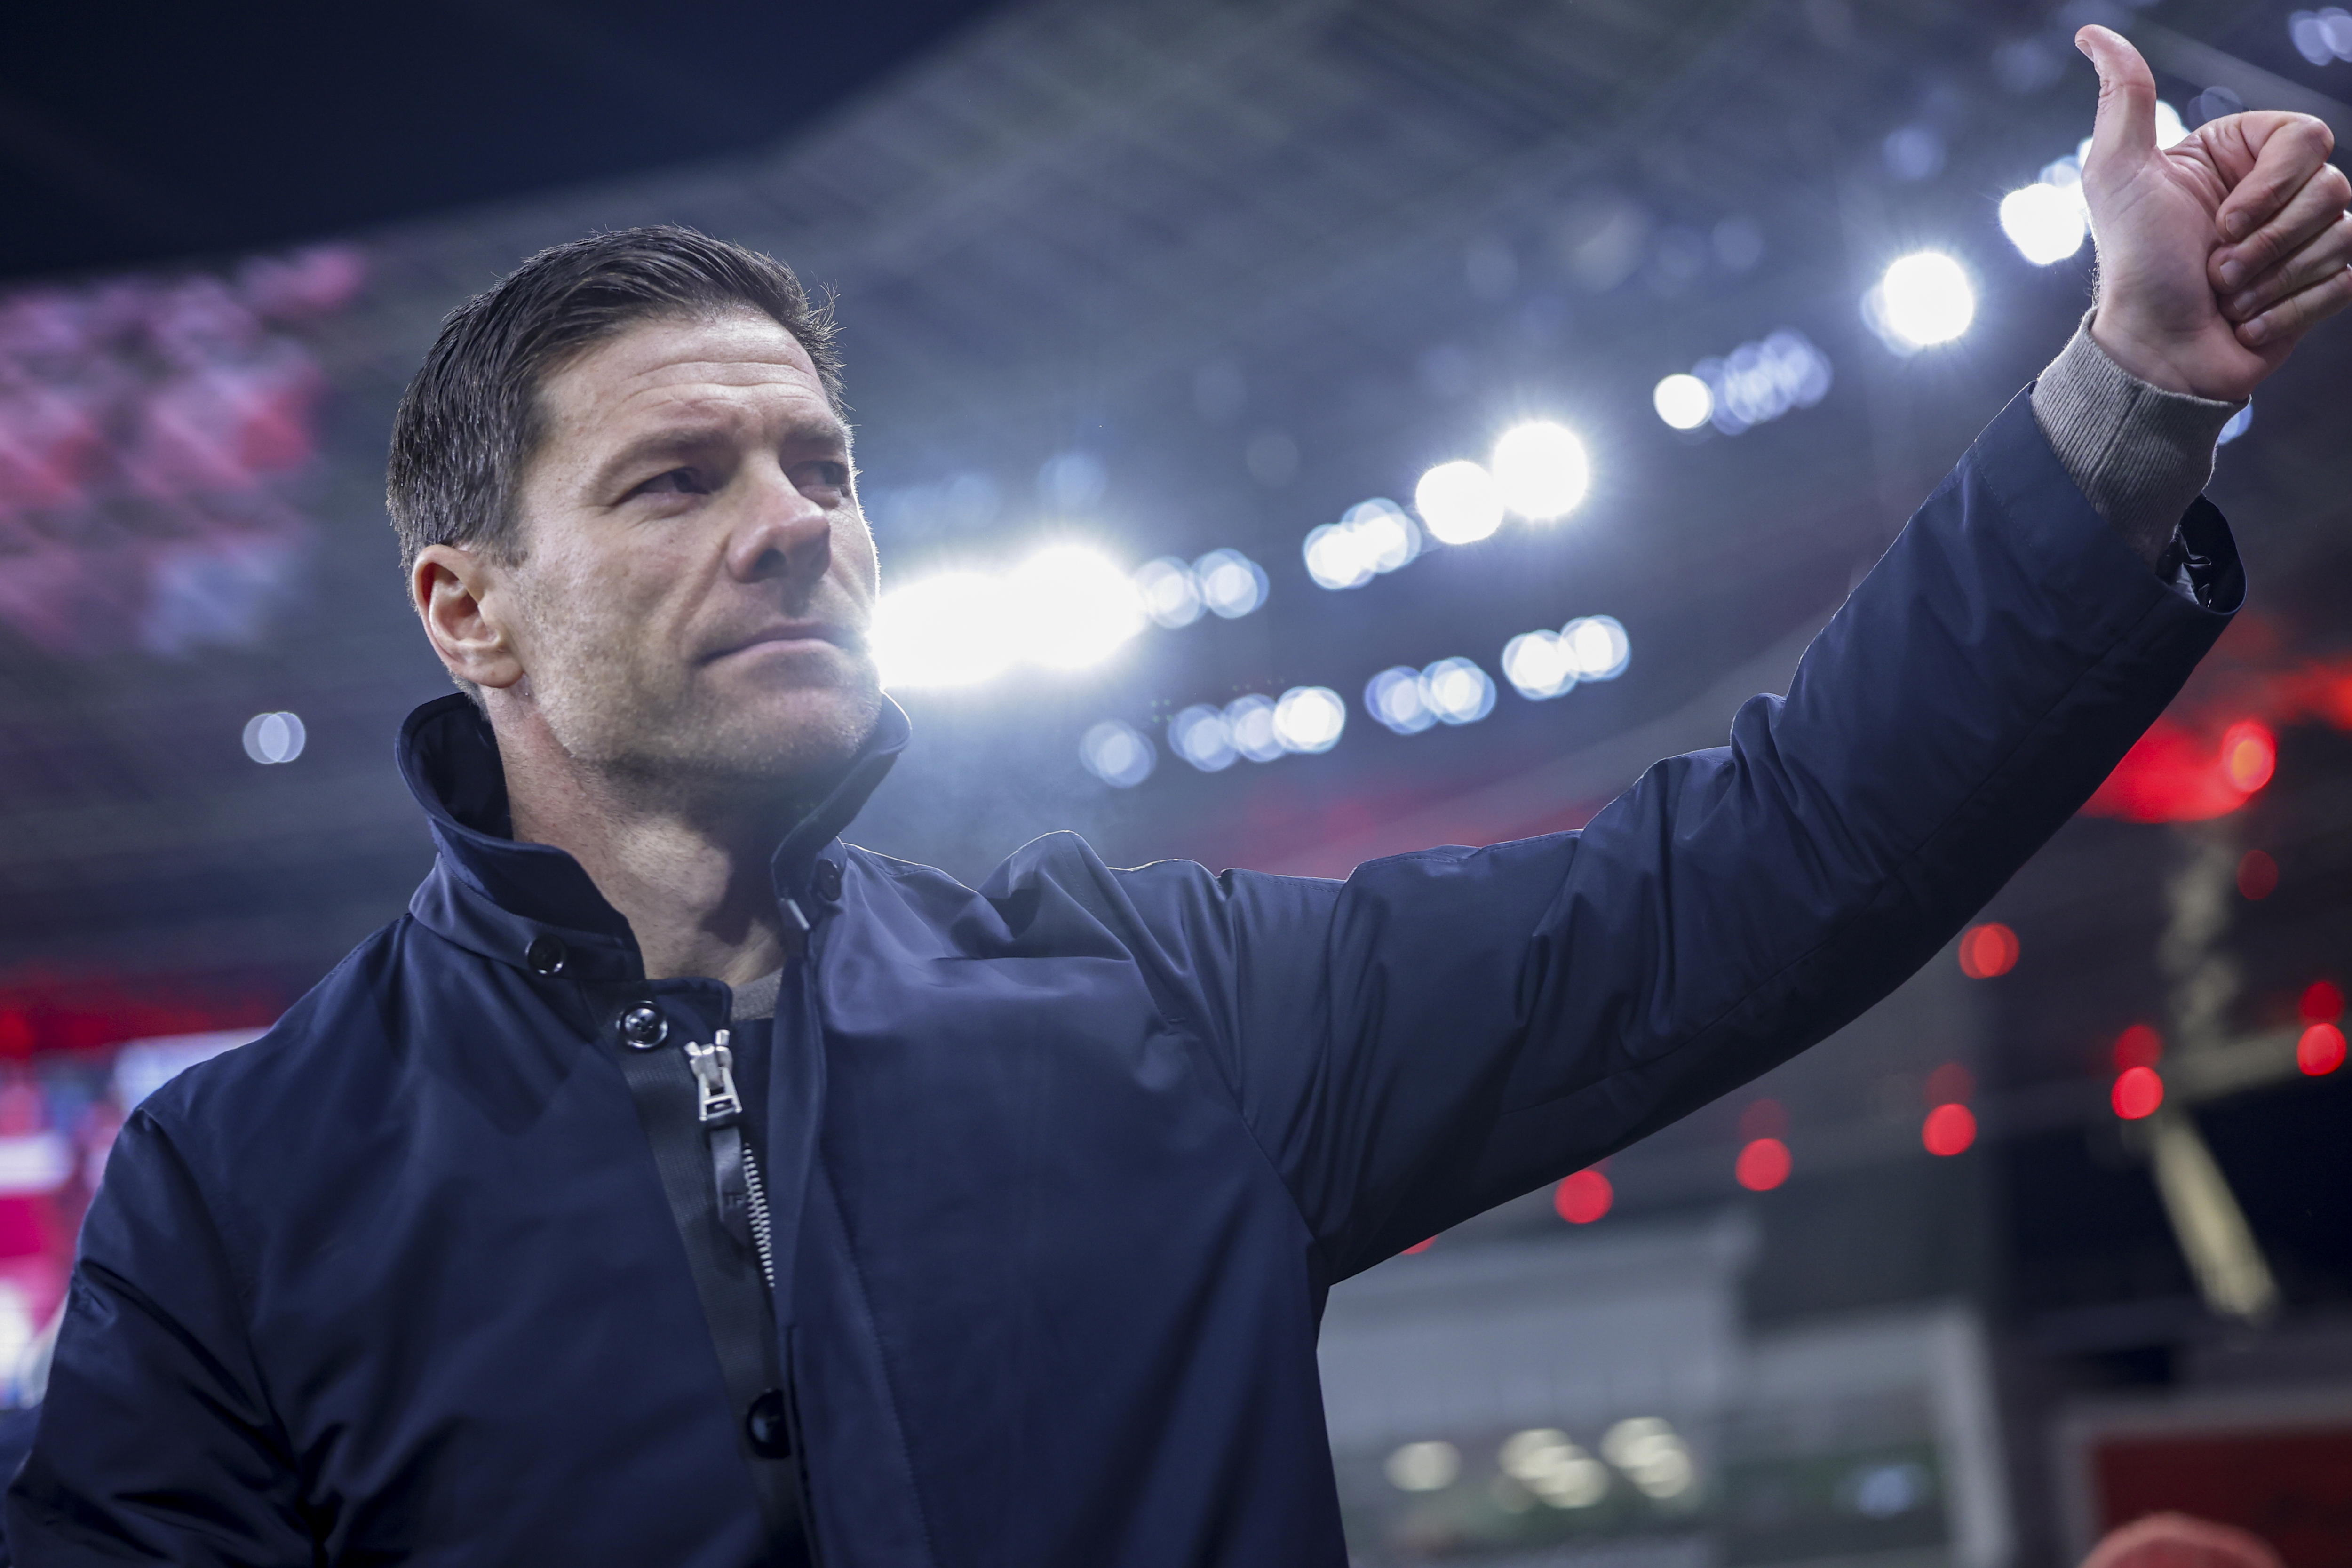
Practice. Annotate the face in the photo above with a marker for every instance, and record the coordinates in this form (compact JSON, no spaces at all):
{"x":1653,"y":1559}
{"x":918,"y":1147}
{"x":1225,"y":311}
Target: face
{"x":696,"y":581}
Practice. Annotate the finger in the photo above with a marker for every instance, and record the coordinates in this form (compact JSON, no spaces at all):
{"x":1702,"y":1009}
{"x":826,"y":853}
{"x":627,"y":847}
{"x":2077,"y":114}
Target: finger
{"x":2298,"y":312}
{"x":2126,"y":128}
{"x":2306,"y":215}
{"x":2331,"y":252}
{"x":2286,"y":149}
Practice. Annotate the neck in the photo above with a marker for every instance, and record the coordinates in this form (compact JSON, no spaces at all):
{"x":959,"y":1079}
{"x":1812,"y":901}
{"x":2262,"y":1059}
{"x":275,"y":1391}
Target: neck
{"x":687,"y":868}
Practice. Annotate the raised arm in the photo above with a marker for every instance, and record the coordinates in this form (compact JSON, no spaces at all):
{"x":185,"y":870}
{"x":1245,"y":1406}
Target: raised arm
{"x":1447,"y":1029}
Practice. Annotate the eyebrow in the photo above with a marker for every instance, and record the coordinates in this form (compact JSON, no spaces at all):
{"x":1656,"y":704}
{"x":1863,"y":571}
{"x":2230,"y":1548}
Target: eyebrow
{"x":682,"y":440}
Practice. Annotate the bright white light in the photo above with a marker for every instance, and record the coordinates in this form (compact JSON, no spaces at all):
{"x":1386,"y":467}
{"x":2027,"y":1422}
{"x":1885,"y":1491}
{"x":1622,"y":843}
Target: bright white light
{"x":1597,"y":648}
{"x":1684,"y":402}
{"x":1250,"y":721}
{"x":1541,"y":470}
{"x":1070,"y":608}
{"x":1117,"y":753}
{"x":943,"y":631}
{"x":1459,"y":501}
{"x":1538,"y":665}
{"x":1393,"y":697}
{"x":2168,"y":127}
{"x":1386,"y":535}
{"x":1423,"y":1466}
{"x":2043,"y":222}
{"x":1923,"y":299}
{"x":1336,"y":557}
{"x":1457,"y":690}
{"x":1231,"y":584}
{"x":1544,"y":1461}
{"x":1651,"y":1455}
{"x":1170,"y":596}
{"x":274,"y":737}
{"x":1200,"y":735}
{"x":1309,"y":719}
{"x":1369,"y":538}
{"x":2239,"y":424}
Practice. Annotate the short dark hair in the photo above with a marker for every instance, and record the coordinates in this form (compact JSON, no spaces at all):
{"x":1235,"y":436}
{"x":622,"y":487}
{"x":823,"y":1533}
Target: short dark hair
{"x":472,"y":418}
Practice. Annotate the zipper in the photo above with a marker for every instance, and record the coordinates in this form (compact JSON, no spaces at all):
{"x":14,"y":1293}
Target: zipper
{"x":735,"y":1168}
{"x":714,"y":1184}
{"x":757,"y":1192}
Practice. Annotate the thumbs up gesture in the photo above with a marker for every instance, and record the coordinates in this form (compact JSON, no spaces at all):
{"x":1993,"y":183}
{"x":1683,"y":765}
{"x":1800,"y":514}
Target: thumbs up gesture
{"x":2216,"y":255}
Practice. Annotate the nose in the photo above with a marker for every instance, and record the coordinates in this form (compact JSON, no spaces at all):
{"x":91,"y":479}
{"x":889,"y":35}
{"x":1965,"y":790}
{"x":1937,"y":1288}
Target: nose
{"x":785,"y":535}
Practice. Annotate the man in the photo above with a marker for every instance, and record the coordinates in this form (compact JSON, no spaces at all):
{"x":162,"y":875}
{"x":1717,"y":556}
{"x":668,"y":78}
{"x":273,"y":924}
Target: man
{"x":677,"y":1185}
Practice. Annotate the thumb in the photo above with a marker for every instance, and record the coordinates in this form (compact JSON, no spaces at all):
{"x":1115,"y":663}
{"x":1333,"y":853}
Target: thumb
{"x":2126,"y":131}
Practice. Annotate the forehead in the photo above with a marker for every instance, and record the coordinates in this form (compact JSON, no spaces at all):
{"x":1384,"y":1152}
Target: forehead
{"x":672,"y":367}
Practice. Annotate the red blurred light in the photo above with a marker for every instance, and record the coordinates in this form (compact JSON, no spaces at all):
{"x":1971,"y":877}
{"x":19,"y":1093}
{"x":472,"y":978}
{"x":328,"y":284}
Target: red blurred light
{"x":1987,"y":950}
{"x":2137,"y":1092}
{"x":1949,"y":1130}
{"x":1951,"y":1082}
{"x":1764,"y":1119}
{"x":1417,"y":1246}
{"x":1583,"y":1197}
{"x":2257,"y":875}
{"x":2248,"y":755}
{"x":2138,"y":1047}
{"x":1763,"y":1164}
{"x":2321,"y":1049}
{"x":2323,"y":1001}
{"x":2169,"y":776}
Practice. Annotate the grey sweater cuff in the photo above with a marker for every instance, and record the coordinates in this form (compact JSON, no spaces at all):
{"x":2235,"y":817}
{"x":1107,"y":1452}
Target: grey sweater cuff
{"x":2140,"y":454}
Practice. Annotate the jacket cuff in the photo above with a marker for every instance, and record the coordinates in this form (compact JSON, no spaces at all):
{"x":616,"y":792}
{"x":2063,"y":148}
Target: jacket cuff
{"x":2139,"y":454}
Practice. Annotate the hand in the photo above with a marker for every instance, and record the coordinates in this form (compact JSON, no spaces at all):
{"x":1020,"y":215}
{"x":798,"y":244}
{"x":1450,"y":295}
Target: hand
{"x":2215,"y":255}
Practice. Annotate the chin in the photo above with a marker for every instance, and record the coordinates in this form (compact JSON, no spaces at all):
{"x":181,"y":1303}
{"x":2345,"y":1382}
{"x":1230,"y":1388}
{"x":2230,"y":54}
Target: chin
{"x":804,"y":733}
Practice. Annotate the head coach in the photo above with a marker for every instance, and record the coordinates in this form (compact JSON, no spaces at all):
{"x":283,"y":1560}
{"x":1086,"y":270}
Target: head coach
{"x":674,"y":1184}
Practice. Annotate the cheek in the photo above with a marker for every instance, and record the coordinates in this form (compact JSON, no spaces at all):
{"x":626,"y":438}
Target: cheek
{"x":594,"y":608}
{"x":857,"y":560}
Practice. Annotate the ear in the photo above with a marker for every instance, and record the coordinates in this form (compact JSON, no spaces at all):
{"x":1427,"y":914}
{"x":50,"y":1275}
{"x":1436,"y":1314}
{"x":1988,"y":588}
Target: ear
{"x":457,"y":596}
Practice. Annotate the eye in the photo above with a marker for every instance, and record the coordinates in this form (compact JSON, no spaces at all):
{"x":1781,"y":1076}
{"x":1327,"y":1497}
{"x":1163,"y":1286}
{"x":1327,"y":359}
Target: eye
{"x":826,"y":475}
{"x":677,"y":481}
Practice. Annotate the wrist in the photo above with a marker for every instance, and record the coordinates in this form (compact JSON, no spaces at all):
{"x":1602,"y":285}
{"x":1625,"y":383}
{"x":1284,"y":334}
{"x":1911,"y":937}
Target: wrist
{"x":2141,"y":354}
{"x":2135,"y":354}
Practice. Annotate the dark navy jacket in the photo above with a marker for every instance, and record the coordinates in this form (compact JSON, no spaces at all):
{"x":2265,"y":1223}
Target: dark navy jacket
{"x":1064,"y":1165}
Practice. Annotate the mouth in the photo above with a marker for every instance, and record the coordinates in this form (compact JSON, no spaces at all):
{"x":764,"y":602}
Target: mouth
{"x":792,"y":635}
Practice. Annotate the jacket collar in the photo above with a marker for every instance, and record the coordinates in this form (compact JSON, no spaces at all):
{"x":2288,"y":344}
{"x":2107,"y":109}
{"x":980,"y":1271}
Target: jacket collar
{"x":532,"y":904}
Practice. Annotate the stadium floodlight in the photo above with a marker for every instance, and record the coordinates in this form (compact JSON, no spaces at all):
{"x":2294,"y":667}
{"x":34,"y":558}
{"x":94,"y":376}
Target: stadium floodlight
{"x":1070,"y":607}
{"x":1922,"y":298}
{"x":1683,"y":401}
{"x":1459,"y":501}
{"x":1309,"y":719}
{"x":2045,"y":221}
{"x":942,"y":631}
{"x":1541,"y":470}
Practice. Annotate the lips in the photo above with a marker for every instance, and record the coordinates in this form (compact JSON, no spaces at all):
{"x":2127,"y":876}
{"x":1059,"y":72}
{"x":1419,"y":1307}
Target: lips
{"x":790,"y":631}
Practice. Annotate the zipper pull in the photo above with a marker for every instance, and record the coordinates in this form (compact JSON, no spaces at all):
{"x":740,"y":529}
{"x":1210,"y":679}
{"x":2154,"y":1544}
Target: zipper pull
{"x":714,"y":1080}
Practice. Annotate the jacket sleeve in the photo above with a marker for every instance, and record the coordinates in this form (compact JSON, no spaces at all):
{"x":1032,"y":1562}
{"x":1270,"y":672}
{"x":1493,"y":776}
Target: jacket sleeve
{"x":156,"y":1442}
{"x":1447,"y":1029}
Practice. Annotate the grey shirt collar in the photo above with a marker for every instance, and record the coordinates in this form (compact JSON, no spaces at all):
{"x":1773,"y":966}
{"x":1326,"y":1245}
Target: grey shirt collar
{"x":757,"y":999}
